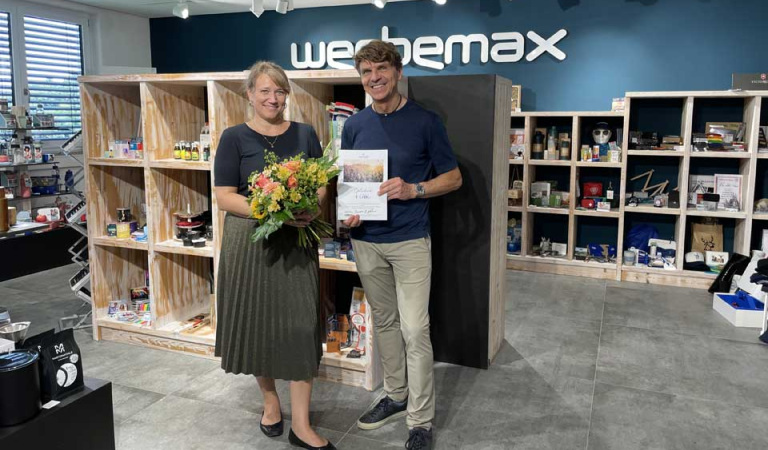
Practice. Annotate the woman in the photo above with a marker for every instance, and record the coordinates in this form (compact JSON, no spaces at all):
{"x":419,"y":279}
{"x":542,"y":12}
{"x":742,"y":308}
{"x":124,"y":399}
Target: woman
{"x":268,"y":291}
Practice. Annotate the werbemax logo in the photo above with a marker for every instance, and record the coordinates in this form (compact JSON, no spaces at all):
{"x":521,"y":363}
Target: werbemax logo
{"x":434,"y":53}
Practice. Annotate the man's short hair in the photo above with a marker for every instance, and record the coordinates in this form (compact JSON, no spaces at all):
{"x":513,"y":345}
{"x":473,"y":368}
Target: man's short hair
{"x":378,"y":51}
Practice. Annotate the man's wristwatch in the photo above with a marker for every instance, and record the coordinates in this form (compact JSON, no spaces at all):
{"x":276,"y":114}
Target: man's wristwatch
{"x":420,"y":192}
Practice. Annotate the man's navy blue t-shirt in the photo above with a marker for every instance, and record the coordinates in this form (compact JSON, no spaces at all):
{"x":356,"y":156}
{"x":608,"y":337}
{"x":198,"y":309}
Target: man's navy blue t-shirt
{"x":418,"y":150}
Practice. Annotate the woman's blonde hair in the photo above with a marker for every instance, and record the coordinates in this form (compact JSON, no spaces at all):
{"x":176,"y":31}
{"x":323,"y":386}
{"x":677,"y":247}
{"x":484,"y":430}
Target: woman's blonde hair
{"x":270,"y":69}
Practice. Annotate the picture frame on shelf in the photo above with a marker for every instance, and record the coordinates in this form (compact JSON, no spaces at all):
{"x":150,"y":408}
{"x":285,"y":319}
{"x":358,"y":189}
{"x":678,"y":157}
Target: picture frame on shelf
{"x":516,"y":97}
{"x":729,"y":188}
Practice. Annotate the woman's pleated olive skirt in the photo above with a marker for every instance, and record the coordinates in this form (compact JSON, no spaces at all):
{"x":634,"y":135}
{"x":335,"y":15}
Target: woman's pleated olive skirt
{"x":268,"y":316}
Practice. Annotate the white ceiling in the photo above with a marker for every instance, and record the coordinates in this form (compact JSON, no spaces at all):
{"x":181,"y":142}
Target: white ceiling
{"x":162,"y":8}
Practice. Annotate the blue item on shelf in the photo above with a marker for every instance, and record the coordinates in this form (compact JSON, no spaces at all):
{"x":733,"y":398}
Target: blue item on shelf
{"x":639,"y":236}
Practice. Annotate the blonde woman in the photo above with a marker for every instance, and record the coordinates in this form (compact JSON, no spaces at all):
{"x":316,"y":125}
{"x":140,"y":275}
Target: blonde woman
{"x":268,"y":292}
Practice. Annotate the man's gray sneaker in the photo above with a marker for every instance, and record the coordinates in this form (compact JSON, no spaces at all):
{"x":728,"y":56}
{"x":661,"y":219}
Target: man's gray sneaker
{"x":384,"y":411}
{"x":419,"y":439}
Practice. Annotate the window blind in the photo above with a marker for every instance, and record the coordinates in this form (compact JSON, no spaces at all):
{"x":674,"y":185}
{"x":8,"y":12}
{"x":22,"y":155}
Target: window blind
{"x":54,"y":60}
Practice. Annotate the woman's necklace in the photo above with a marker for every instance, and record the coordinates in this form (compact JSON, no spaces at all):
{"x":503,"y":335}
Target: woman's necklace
{"x":385,"y":114}
{"x":272,"y":143}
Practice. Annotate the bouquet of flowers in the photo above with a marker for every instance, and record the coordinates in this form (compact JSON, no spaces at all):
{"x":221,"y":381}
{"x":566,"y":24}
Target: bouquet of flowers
{"x":288,"y":188}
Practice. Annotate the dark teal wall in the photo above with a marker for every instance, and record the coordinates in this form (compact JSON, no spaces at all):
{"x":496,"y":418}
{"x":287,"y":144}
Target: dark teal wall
{"x":613,"y":46}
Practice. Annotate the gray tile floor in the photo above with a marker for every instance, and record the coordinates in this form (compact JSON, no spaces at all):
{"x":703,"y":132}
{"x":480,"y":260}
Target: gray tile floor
{"x":586,"y":364}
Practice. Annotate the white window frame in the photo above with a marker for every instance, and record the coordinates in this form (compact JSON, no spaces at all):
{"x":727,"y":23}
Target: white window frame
{"x":17,"y":10}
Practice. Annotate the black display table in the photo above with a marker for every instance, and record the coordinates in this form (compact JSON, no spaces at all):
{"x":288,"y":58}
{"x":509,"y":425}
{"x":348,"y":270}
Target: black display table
{"x":83,"y":421}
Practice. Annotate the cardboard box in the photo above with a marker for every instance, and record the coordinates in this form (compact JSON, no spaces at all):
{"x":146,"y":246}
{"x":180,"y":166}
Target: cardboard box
{"x":741,"y":309}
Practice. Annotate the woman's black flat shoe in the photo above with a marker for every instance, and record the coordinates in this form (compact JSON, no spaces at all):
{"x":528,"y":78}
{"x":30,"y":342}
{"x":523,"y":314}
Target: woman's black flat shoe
{"x":294,"y":440}
{"x":273,"y":430}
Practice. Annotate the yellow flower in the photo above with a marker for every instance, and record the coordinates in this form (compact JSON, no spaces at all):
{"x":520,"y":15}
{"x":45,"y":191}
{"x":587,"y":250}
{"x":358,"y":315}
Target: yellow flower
{"x":322,"y":178}
{"x":273,"y":207}
{"x":283,"y":173}
{"x":295,"y":196}
{"x":312,"y":168}
{"x":278,"y":194}
{"x":259,"y":214}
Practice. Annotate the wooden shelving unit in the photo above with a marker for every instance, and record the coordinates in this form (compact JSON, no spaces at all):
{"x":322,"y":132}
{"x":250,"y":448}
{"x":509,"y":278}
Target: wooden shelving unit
{"x":165,"y":109}
{"x":691,"y":112}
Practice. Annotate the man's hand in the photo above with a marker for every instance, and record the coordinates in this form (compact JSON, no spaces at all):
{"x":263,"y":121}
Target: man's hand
{"x":353,"y":221}
{"x":302,"y":219}
{"x":397,"y":189}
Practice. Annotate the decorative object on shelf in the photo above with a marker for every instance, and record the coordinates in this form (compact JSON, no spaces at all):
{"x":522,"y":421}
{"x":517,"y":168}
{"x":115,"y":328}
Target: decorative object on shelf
{"x":729,"y":188}
{"x":601,"y":134}
{"x":565,"y":149}
{"x":709,"y":202}
{"x":514,"y":236}
{"x":716,"y":260}
{"x":655,"y":189}
{"x":517,"y":143}
{"x":516,"y":190}
{"x":545,"y":246}
{"x":559,"y":250}
{"x":537,"y":149}
{"x":699,"y":185}
{"x":618,"y":104}
{"x":761,"y":205}
{"x":643,"y":140}
{"x":539,"y":191}
{"x":188,"y":224}
{"x":707,"y":236}
{"x":516,"y":97}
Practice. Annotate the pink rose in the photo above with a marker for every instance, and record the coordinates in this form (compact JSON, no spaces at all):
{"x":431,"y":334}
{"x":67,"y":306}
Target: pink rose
{"x":293,"y":166}
{"x":292,"y":183}
{"x":269,"y":187}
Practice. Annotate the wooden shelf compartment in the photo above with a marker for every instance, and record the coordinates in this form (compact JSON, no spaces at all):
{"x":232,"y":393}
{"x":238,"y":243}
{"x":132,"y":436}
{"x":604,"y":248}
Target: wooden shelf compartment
{"x":114,"y":272}
{"x":337,"y":264}
{"x":670,"y":153}
{"x":517,"y":209}
{"x":110,"y":188}
{"x":171,"y":112}
{"x":181,"y":286}
{"x":109,"y":112}
{"x":718,"y":214}
{"x":760,"y":216}
{"x":594,"y":213}
{"x":562,"y":266}
{"x":652,"y":210}
{"x":543,"y":210}
{"x":171,"y":190}
{"x":549,"y":162}
{"x":763,"y":155}
{"x":118,"y":162}
{"x":174,"y":246}
{"x":734,"y":155}
{"x":181,"y":164}
{"x":106,"y":241}
{"x":608,"y":165}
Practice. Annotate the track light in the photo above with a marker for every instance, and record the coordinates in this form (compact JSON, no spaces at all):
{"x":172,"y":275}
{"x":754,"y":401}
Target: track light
{"x":440,"y":2}
{"x":282,"y":6}
{"x":181,"y":10}
{"x":257,"y":7}
{"x":379,"y":3}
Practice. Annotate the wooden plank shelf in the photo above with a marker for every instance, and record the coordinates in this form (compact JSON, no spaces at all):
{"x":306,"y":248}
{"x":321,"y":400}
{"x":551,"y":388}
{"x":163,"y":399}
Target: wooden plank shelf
{"x":337,"y":264}
{"x":730,"y":155}
{"x":594,"y":213}
{"x":652,"y":210}
{"x":718,"y":214}
{"x":763,"y":155}
{"x":116,"y":162}
{"x":610,"y":165}
{"x":181,"y":164}
{"x":569,"y":114}
{"x":514,"y":209}
{"x":107,"y":241}
{"x":542,"y":210}
{"x":760,"y":216}
{"x":548,"y":162}
{"x":671,"y":153}
{"x":517,"y":162}
{"x":564,"y":261}
{"x":174,"y":246}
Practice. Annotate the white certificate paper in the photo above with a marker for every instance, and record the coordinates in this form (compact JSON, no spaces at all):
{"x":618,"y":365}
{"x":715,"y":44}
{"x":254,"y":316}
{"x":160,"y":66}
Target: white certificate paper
{"x":362,"y":172}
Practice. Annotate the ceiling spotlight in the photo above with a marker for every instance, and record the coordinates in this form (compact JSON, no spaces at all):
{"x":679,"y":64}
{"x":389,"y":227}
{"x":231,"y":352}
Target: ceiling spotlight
{"x":379,"y":3}
{"x":440,"y":2}
{"x":181,"y":10}
{"x":257,"y":7}
{"x":282,"y":6}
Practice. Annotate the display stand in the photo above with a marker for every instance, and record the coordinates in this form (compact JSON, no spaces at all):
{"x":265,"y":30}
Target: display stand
{"x":678,"y":113}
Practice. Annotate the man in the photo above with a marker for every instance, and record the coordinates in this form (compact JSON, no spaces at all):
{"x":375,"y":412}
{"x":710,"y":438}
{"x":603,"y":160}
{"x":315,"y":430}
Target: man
{"x":394,"y":256}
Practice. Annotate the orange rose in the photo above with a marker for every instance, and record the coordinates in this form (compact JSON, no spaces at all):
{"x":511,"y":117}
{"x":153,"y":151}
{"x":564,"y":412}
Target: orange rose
{"x":292,"y":183}
{"x":293,"y":166}
{"x":261,"y":181}
{"x":269,"y":187}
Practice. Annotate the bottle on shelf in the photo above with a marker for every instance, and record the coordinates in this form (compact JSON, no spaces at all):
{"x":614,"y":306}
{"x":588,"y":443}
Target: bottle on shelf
{"x":18,"y":156}
{"x":537,"y":150}
{"x":206,"y":152}
{"x":195,"y":151}
{"x":187,"y":151}
{"x":177,"y":150}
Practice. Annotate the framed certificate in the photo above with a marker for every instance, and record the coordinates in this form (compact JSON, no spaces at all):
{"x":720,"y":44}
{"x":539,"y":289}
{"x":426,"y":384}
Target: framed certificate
{"x":729,"y":189}
{"x":361,"y":175}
